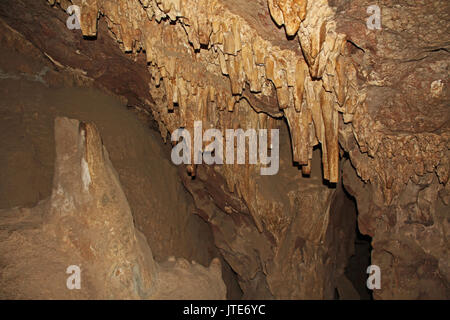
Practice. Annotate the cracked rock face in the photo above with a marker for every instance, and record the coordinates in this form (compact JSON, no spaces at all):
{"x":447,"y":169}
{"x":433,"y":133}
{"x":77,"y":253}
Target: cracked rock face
{"x":363,"y":109}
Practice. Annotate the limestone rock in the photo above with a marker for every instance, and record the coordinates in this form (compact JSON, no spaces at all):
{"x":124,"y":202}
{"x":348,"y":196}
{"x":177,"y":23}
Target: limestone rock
{"x":87,"y":222}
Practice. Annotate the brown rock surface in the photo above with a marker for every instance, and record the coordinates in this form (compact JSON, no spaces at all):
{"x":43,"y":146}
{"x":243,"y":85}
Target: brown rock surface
{"x":365,"y":109}
{"x":306,"y":238}
{"x":87,"y":222}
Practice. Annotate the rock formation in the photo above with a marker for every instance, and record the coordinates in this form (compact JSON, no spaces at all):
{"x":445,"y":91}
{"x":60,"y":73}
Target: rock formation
{"x":360,"y":109}
{"x":87,"y":222}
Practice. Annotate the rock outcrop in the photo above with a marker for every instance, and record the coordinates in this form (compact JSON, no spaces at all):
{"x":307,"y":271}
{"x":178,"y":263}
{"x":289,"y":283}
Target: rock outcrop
{"x":398,"y":143}
{"x":88,"y":223}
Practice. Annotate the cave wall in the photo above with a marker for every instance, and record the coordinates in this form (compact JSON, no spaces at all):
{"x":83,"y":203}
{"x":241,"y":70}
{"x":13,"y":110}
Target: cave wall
{"x":306,"y":238}
{"x":207,"y":62}
{"x":88,"y":223}
{"x":398,"y":143}
{"x":381,"y":97}
{"x":35,"y":89}
{"x":395,"y":132}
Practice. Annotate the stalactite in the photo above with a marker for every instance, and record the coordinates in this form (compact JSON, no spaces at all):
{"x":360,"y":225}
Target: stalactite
{"x":202,"y":45}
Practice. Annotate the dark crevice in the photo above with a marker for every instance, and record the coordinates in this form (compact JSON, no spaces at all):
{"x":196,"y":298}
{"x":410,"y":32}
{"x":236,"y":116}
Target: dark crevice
{"x":356,"y":46}
{"x":361,"y":259}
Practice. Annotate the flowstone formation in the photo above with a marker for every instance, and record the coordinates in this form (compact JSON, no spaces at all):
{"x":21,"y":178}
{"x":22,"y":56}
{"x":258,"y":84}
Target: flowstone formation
{"x":209,"y":59}
{"x":362,"y":109}
{"x":398,"y":142}
{"x":334,"y":81}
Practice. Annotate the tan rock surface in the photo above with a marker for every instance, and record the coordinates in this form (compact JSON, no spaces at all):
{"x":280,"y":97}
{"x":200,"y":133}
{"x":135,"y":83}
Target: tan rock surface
{"x":87,"y":222}
{"x":376,"y":103}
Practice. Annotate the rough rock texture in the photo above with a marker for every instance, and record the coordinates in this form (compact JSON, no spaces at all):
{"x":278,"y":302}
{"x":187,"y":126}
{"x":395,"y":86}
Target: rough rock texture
{"x":307,"y":234}
{"x":87,"y":222}
{"x":377,"y":98}
{"x":196,"y":48}
{"x":212,"y":65}
{"x":34,"y":91}
{"x":399,"y":145}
